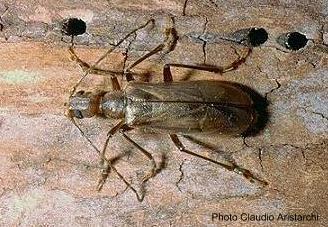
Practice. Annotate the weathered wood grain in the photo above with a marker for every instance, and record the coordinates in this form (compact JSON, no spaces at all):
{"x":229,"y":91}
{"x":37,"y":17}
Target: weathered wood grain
{"x":48,"y":173}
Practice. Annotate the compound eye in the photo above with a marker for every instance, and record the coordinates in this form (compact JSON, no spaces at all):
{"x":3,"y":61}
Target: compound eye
{"x":78,"y":114}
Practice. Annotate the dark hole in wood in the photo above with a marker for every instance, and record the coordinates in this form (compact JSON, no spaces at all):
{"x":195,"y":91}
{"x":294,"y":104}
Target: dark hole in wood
{"x":257,"y":36}
{"x":73,"y":27}
{"x":296,"y":41}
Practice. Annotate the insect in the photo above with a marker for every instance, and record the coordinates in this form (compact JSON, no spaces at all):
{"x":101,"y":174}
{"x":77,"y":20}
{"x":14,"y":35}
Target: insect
{"x":182,"y":108}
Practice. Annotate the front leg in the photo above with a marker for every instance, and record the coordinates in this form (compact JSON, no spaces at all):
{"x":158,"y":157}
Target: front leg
{"x":93,"y":70}
{"x":110,"y":50}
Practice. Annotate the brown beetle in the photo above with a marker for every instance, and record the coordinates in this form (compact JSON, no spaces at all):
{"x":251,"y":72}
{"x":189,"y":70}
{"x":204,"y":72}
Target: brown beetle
{"x":173,"y":108}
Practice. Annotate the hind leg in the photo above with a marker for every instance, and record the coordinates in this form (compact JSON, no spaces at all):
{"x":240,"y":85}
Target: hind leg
{"x":233,"y":167}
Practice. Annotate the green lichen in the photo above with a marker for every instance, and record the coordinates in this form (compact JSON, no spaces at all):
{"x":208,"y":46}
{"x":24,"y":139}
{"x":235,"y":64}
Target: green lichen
{"x":15,"y":77}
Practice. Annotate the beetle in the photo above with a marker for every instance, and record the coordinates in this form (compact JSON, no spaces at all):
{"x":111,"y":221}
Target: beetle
{"x":175,"y":108}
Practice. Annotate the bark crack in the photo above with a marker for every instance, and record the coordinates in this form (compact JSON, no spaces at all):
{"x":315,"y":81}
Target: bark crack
{"x":1,"y":20}
{"x":314,"y":112}
{"x":320,"y":114}
{"x":302,"y":150}
{"x":73,"y":163}
{"x":203,"y":39}
{"x":260,"y":158}
{"x":184,"y":7}
{"x":296,"y":147}
{"x":273,"y":89}
{"x":181,"y":176}
{"x":214,"y":3}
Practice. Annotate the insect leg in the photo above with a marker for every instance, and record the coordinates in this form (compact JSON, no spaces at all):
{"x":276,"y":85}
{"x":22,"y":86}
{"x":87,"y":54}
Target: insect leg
{"x":167,"y":46}
{"x":85,"y":66}
{"x":103,"y":161}
{"x":106,"y":161}
{"x":208,"y":68}
{"x":107,"y":164}
{"x":234,"y":65}
{"x":127,"y":71}
{"x":93,"y":70}
{"x":167,"y":74}
{"x":211,"y":147}
{"x":246,"y":173}
{"x":106,"y":54}
{"x":147,"y":154}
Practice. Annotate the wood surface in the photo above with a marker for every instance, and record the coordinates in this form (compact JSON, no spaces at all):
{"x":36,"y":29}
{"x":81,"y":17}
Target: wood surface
{"x":49,"y":173}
